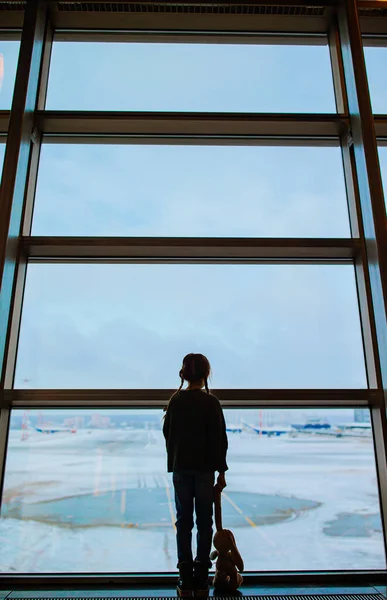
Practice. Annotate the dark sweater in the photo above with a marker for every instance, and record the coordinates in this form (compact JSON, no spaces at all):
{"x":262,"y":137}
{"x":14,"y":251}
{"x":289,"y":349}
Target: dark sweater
{"x":195,"y":432}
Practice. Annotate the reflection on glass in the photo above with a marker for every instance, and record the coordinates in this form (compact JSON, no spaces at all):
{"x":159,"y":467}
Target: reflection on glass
{"x":9,"y":54}
{"x":190,"y":77}
{"x":87,"y":491}
{"x":274,"y":326}
{"x":190,"y":191}
{"x":376,"y":60}
{"x":383,"y":168}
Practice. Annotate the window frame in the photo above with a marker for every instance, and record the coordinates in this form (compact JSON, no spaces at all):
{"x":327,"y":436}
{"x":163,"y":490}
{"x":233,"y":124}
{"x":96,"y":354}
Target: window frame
{"x":360,"y":165}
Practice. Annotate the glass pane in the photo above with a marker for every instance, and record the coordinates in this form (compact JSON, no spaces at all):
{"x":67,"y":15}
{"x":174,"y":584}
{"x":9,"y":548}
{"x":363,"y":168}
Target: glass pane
{"x":9,"y":54}
{"x":225,"y":191}
{"x":376,"y":60}
{"x":190,"y":77}
{"x":82,"y":485}
{"x":383,"y":168}
{"x":262,"y":326}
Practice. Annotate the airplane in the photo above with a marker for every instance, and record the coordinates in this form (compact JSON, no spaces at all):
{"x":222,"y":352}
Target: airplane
{"x":234,"y":428}
{"x":312,"y":426}
{"x":269,"y":431}
{"x":50,"y":430}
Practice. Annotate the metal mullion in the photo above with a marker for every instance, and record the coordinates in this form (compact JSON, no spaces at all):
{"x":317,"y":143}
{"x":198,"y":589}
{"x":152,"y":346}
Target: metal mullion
{"x":373,"y":27}
{"x":31,"y":179}
{"x":379,"y":430}
{"x":84,"y":398}
{"x":370,"y":209}
{"x":380,"y":122}
{"x":11,"y":34}
{"x":5,"y":414}
{"x":214,"y":140}
{"x":19,"y":170}
{"x":337,"y":68}
{"x":191,"y":36}
{"x":96,"y":124}
{"x":156,"y":249}
{"x":371,"y":354}
{"x":124,"y":581}
{"x":85,"y":22}
{"x":12,"y":20}
{"x":375,"y":40}
{"x":17,"y":162}
{"x":4,"y":121}
{"x":368,"y":217}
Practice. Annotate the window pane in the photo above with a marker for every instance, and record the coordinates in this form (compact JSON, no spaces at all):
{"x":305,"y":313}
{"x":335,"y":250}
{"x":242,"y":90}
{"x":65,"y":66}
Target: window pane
{"x":376,"y":60}
{"x":82,"y":485}
{"x":383,"y":168}
{"x":191,"y":191}
{"x":190,"y":77}
{"x":9,"y":54}
{"x":262,"y":326}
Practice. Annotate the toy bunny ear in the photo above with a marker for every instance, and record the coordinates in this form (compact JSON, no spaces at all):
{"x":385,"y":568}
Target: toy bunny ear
{"x":238,"y":560}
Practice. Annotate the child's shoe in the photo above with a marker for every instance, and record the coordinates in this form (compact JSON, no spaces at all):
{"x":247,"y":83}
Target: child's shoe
{"x":185,"y":584}
{"x":200,"y":579}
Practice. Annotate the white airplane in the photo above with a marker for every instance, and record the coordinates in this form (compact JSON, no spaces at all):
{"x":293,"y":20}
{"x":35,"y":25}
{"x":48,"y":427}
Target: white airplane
{"x":269,"y":431}
{"x":50,"y":430}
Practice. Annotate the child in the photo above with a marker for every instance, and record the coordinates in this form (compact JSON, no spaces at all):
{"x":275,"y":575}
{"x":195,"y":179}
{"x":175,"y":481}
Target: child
{"x":196,"y":440}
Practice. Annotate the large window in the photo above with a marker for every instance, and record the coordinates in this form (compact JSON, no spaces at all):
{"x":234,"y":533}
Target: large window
{"x":9,"y":52}
{"x":87,"y":491}
{"x":178,"y":185}
{"x":191,"y":191}
{"x":262,"y":326}
{"x":190,"y":77}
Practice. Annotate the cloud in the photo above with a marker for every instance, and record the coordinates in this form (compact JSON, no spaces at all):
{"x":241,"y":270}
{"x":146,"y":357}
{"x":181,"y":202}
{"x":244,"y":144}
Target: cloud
{"x":190,"y":190}
{"x":261,"y":326}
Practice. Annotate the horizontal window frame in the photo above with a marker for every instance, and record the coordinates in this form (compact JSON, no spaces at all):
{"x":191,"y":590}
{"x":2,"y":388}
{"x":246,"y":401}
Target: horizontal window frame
{"x":279,"y":129}
{"x":188,"y":124}
{"x":153,"y":398}
{"x":180,"y":35}
{"x":189,"y":249}
{"x":93,"y":581}
{"x":374,"y":40}
{"x":381,"y":129}
{"x":81,"y":24}
{"x":84,"y":24}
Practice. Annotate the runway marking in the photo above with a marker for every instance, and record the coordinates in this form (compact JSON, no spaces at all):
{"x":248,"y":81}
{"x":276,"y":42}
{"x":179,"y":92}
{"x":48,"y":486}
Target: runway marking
{"x":170,"y":504}
{"x":250,"y":521}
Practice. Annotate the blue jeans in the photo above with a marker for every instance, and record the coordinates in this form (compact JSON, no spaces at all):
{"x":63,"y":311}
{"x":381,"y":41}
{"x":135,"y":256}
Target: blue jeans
{"x":190,"y":487}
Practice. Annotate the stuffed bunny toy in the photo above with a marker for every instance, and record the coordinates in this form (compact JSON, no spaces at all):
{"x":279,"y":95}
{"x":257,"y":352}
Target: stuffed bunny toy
{"x":228,"y":558}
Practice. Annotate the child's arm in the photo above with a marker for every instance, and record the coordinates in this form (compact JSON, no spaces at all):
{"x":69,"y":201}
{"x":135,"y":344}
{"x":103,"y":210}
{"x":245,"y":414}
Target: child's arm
{"x":218,"y":436}
{"x":166,"y":425}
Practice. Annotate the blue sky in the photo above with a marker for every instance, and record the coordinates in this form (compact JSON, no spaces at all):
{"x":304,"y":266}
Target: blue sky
{"x":190,"y":190}
{"x":129,"y":326}
{"x":190,"y":77}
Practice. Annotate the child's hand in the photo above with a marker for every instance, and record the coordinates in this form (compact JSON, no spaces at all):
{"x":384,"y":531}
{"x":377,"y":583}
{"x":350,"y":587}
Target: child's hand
{"x":221,"y":482}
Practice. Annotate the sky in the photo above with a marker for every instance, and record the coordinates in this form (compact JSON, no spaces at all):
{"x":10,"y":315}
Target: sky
{"x":129,"y":326}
